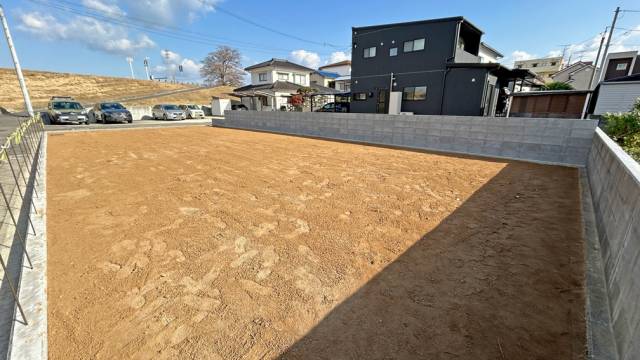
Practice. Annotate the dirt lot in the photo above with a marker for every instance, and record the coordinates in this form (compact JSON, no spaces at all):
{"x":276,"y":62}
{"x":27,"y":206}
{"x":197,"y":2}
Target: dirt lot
{"x":206,"y":243}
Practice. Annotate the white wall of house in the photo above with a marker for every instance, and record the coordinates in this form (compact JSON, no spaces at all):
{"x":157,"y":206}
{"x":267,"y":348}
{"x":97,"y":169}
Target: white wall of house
{"x":273,"y":74}
{"x":487,"y":56}
{"x":341,"y":69}
{"x":617,"y":97}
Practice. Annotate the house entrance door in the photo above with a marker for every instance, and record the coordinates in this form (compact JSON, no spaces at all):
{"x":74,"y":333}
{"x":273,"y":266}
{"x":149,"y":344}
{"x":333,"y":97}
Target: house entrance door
{"x":382,"y":103}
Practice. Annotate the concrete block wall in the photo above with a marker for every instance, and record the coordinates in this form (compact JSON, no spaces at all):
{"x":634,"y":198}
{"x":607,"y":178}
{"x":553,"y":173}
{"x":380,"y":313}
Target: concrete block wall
{"x":556,"y":141}
{"x":614,"y":179}
{"x":139,"y":112}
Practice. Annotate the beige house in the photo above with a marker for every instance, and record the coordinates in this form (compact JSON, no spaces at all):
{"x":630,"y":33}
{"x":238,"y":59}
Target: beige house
{"x":544,"y":67}
{"x":578,"y":75}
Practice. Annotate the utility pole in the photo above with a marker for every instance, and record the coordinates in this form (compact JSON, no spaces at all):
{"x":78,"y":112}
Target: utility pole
{"x":593,"y":76}
{"x":564,"y":51}
{"x":146,"y":67}
{"x":16,"y":63}
{"x":606,"y":48}
{"x":130,"y":61}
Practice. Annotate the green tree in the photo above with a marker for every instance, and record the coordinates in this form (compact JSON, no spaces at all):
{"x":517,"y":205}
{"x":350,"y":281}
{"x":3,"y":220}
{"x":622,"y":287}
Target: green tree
{"x":624,"y":128}
{"x":557,"y":85}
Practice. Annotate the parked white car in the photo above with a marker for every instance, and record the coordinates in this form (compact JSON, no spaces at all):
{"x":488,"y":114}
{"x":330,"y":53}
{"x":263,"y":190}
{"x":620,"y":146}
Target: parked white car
{"x":192,"y":111}
{"x":167,"y":112}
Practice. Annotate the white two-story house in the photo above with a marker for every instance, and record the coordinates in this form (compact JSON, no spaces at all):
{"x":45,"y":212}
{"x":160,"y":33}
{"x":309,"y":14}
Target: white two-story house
{"x":273,"y":82}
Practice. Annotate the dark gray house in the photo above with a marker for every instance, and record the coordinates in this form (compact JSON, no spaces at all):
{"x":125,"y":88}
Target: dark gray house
{"x":434,"y":63}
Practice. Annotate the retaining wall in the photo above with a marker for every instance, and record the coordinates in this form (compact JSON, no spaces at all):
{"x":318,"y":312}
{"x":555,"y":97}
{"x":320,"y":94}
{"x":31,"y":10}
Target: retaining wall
{"x":556,"y":141}
{"x":140,"y":112}
{"x":614,"y":179}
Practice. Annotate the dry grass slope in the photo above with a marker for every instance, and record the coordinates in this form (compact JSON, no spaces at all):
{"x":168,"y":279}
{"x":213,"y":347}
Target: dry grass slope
{"x":88,"y":89}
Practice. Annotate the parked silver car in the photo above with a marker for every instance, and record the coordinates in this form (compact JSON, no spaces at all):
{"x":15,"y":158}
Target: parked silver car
{"x":167,"y":112}
{"x":192,"y":111}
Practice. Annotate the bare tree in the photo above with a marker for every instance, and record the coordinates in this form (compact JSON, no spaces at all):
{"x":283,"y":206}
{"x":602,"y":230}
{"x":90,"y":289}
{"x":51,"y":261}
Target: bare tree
{"x":222,"y":67}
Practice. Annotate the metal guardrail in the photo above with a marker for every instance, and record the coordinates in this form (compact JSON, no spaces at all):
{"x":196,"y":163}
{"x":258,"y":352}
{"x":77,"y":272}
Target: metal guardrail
{"x":19,"y":162}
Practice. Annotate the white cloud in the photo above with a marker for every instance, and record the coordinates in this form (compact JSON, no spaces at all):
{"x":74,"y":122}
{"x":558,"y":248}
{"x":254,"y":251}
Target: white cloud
{"x":106,"y":6}
{"x":172,"y":62}
{"x":623,"y":40}
{"x":307,"y":58}
{"x":90,"y":32}
{"x":338,"y":56}
{"x":171,"y":11}
{"x":521,"y":55}
{"x":554,"y":53}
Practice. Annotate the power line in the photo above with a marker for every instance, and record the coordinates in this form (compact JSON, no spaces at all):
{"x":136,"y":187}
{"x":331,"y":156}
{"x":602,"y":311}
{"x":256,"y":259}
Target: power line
{"x":275,"y":31}
{"x":153,"y":24}
{"x":151,"y":27}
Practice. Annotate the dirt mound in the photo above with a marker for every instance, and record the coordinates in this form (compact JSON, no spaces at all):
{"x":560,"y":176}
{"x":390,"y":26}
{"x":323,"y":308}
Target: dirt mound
{"x":90,"y":89}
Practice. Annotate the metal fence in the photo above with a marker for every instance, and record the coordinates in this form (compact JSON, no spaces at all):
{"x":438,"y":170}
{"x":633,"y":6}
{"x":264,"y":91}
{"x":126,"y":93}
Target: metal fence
{"x":19,"y":176}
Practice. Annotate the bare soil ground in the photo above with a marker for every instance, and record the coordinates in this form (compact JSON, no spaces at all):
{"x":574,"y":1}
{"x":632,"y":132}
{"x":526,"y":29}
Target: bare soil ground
{"x":208,"y":243}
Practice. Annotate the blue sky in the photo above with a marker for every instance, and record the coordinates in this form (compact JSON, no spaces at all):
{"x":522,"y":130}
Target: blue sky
{"x":55,"y":35}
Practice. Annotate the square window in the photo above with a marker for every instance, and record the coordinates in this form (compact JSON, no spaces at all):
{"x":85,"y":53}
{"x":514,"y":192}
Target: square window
{"x":393,"y":51}
{"x":622,"y":66}
{"x":407,"y":93}
{"x":420,"y":93}
{"x":262,"y":76}
{"x":370,"y":52}
{"x":298,"y":79}
{"x":408,"y":46}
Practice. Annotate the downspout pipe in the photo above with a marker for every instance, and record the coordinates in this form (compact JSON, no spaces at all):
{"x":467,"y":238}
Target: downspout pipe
{"x":453,"y":57}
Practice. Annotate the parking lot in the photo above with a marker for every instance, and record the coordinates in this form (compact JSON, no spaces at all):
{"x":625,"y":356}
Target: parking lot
{"x":212,"y":243}
{"x":134,"y":124}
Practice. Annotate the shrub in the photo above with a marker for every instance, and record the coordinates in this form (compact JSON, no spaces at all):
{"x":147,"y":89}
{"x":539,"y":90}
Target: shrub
{"x":624,"y":128}
{"x":557,"y":85}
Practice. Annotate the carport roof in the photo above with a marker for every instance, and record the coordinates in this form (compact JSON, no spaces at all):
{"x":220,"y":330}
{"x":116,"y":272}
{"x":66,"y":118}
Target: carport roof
{"x":283,"y":86}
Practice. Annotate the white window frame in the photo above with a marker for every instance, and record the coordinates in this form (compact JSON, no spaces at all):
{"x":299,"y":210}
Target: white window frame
{"x":283,"y":76}
{"x":262,"y":76}
{"x":621,"y":67}
{"x":300,"y":77}
{"x":369,"y":52}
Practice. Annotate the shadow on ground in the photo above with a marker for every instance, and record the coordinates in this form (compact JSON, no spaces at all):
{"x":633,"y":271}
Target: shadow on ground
{"x":500,"y":278}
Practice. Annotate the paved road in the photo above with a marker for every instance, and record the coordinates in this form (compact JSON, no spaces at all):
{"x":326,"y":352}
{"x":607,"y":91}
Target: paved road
{"x":10,"y":246}
{"x":135,"y":124}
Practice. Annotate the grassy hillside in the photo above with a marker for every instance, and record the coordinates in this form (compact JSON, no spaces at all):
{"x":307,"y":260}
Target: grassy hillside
{"x":200,"y":97}
{"x":89,"y":89}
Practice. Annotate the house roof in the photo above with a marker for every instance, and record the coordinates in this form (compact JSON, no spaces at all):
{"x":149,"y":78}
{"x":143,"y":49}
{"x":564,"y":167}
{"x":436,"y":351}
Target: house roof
{"x":282,"y":86}
{"x":632,"y":77}
{"x":576,"y":66}
{"x":328,"y":74}
{"x":447,"y":19}
{"x":282,"y":63}
{"x":339,"y":63}
{"x":496,"y":52}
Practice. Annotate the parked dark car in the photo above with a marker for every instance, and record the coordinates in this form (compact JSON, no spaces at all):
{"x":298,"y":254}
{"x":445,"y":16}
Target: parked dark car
{"x":335,"y":107}
{"x":239,"y":107}
{"x":111,"y":112}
